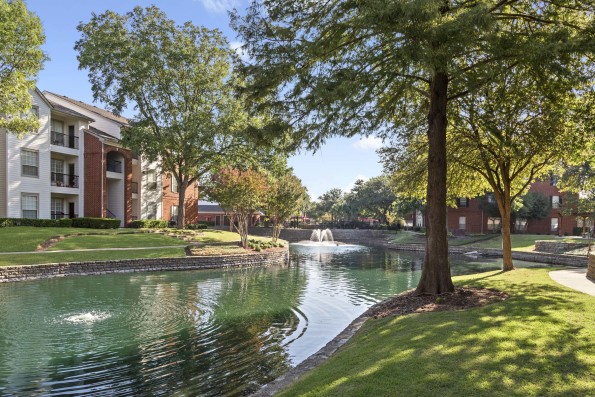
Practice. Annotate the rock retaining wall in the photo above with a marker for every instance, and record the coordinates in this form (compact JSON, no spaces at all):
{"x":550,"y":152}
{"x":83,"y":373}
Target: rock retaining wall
{"x":591,"y":268}
{"x":361,"y":236}
{"x":32,"y":272}
{"x":557,"y":247}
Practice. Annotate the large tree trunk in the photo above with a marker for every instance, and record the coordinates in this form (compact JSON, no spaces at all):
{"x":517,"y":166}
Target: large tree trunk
{"x":435,"y":276}
{"x":181,"y":201}
{"x":506,"y":239}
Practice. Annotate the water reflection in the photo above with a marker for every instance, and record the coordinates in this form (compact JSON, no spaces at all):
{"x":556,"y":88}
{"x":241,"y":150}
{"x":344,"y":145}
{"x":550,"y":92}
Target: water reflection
{"x":191,"y":333}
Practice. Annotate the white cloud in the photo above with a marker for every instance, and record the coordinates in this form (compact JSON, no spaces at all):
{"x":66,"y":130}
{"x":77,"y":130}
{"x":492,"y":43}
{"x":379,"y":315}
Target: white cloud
{"x":237,"y":47}
{"x":368,"y":143}
{"x":219,"y":5}
{"x":348,"y":188}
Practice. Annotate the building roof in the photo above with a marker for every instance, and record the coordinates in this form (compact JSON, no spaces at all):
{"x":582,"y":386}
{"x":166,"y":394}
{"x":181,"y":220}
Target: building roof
{"x":210,"y":209}
{"x":67,"y":111}
{"x":101,"y":134}
{"x":102,"y":112}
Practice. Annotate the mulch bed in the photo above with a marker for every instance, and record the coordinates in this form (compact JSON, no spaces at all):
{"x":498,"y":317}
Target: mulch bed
{"x":462,"y":298}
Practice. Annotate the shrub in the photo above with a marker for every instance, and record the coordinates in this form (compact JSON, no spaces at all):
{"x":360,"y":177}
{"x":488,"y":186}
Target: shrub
{"x":578,"y":231}
{"x":96,"y":223}
{"x":197,"y":226}
{"x":8,"y":222}
{"x":65,"y":222}
{"x":148,"y":224}
{"x":208,"y":223}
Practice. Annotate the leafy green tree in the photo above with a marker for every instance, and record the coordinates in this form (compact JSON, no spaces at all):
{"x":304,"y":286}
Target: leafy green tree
{"x":374,"y":198}
{"x":327,"y":200}
{"x":21,"y":59}
{"x":579,"y":182}
{"x":239,"y":192}
{"x":535,"y":206}
{"x":180,"y":81}
{"x":349,"y":67}
{"x":284,"y":198}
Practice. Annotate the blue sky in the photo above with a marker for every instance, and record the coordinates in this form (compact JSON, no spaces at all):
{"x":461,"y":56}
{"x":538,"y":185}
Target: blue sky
{"x":338,"y":164}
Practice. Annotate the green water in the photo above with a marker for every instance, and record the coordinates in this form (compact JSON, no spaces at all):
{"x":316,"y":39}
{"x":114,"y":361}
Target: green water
{"x":191,"y":333}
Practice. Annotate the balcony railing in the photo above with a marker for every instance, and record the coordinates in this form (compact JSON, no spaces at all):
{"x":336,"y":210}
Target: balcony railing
{"x":60,"y":139}
{"x":134,"y":187}
{"x":62,"y":215}
{"x":114,"y":166}
{"x":65,"y":180}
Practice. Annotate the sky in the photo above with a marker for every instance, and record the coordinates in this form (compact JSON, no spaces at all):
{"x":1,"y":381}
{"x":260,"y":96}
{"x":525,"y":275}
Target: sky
{"x":338,"y":164}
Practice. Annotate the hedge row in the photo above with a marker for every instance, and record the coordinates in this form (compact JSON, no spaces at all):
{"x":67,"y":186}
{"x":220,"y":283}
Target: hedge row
{"x":92,"y":223}
{"x":148,"y":224}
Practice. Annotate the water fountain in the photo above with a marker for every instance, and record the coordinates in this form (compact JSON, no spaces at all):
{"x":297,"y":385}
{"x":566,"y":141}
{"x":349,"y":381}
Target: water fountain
{"x":320,"y":236}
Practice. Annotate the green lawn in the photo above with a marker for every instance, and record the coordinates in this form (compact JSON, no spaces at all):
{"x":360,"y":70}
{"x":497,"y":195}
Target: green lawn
{"x":27,"y":238}
{"x":520,"y":242}
{"x":117,"y":241}
{"x":539,"y":342}
{"x":54,"y":257}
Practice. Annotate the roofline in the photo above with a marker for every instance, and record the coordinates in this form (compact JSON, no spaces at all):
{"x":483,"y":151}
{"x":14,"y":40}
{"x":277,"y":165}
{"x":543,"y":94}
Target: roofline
{"x":41,"y":94}
{"x":82,"y":116}
{"x":66,"y":98}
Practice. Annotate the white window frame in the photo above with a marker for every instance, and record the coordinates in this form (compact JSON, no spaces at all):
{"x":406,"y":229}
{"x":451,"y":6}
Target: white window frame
{"x":151,"y":211}
{"x":556,"y":202}
{"x":59,"y":123}
{"x":151,"y":180}
{"x":462,"y":223}
{"x":27,"y":156}
{"x":173,"y":212}
{"x":26,"y":207}
{"x":174,"y":184}
{"x":494,"y":224}
{"x":556,"y":222}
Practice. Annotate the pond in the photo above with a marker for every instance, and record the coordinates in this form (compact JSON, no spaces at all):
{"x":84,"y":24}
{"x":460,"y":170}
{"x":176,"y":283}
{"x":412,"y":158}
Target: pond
{"x":192,"y":333}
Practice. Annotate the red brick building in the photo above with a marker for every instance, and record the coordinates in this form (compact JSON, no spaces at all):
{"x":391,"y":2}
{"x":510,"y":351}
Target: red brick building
{"x":470,"y":217}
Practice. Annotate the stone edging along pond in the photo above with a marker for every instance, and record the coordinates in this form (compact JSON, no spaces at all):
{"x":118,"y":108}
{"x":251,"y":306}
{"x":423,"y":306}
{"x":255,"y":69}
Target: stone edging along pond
{"x":51,"y":270}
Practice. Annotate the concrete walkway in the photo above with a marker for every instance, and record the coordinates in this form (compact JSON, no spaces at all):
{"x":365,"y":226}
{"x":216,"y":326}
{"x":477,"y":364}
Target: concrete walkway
{"x":575,"y":279}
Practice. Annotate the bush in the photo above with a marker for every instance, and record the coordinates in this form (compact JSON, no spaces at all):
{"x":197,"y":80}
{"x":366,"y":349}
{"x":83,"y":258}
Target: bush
{"x":148,"y":224}
{"x":196,"y":226}
{"x":65,"y":222}
{"x":578,"y":231}
{"x":96,"y":223}
{"x":208,"y":223}
{"x":8,"y":222}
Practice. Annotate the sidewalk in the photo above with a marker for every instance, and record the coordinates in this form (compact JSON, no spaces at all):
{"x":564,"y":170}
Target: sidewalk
{"x":575,"y":279}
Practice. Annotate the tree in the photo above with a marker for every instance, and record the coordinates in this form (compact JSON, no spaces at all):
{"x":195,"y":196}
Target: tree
{"x":239,"y":192}
{"x":514,"y":131}
{"x":350,"y":67}
{"x":374,"y":197}
{"x":285,"y":197}
{"x":327,"y":200}
{"x":180,"y":81}
{"x":21,"y":59}
{"x":535,"y":206}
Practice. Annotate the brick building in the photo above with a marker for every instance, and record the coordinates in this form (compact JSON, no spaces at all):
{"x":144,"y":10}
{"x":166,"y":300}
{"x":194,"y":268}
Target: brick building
{"x":469,"y":217}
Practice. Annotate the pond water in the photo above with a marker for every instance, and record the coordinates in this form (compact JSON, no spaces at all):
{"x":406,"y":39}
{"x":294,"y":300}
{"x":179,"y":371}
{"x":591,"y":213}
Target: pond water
{"x":192,"y":333}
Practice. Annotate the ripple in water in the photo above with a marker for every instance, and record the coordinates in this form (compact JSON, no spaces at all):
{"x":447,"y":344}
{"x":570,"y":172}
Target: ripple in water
{"x":86,"y":318}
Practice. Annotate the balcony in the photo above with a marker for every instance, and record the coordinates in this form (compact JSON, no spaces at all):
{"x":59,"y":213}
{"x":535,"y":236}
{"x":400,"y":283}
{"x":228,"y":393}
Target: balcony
{"x":62,"y":215}
{"x":64,"y":180}
{"x":114,"y":166}
{"x":60,"y":139}
{"x":134,"y":187}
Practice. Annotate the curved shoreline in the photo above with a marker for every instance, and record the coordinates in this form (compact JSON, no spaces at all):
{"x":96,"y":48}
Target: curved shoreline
{"x":314,"y":360}
{"x":53,"y":270}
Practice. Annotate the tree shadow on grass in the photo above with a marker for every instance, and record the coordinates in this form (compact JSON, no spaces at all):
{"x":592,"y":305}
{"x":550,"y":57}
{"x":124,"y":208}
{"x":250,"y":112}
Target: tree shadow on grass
{"x":539,"y":342}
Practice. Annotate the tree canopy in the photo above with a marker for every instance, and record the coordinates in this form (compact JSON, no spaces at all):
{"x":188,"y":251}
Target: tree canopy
{"x":180,"y":80}
{"x":285,"y":197}
{"x":21,"y":59}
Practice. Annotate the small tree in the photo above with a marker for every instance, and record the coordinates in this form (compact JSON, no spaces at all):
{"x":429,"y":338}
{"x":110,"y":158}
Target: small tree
{"x":535,"y":206}
{"x":239,"y":192}
{"x":21,"y":59}
{"x":286,"y":196}
{"x":375,"y":197}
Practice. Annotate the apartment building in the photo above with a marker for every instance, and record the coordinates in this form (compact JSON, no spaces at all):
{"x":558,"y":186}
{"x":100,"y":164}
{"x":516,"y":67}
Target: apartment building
{"x":41,"y":173}
{"x":470,"y":217}
{"x":75,"y":165}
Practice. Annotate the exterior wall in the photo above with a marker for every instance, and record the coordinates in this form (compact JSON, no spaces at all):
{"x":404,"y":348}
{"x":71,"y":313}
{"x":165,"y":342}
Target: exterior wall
{"x":169,"y":198}
{"x":149,"y":197}
{"x":94,"y":176}
{"x":101,"y":123}
{"x":16,"y":184}
{"x":477,"y":220}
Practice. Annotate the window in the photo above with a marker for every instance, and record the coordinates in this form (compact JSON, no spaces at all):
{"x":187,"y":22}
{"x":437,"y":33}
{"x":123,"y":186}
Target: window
{"x":554,"y":223}
{"x":462,"y":222}
{"x":490,"y":198}
{"x":35,"y":111}
{"x":520,"y":225}
{"x":29,"y":163}
{"x":29,"y":206}
{"x":174,"y":184}
{"x":174,"y":212}
{"x":151,"y":180}
{"x":152,"y":211}
{"x":57,"y":126}
{"x":57,"y":208}
{"x":463,"y":202}
{"x":493,"y":224}
{"x":556,"y":201}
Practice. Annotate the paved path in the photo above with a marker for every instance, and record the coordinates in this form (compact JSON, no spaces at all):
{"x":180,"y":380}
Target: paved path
{"x":91,"y":249}
{"x":575,"y":279}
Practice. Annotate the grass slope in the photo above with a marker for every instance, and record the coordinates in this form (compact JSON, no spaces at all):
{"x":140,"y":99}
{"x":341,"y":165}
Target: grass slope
{"x":51,"y":257}
{"x":540,"y":342}
{"x":117,"y":241}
